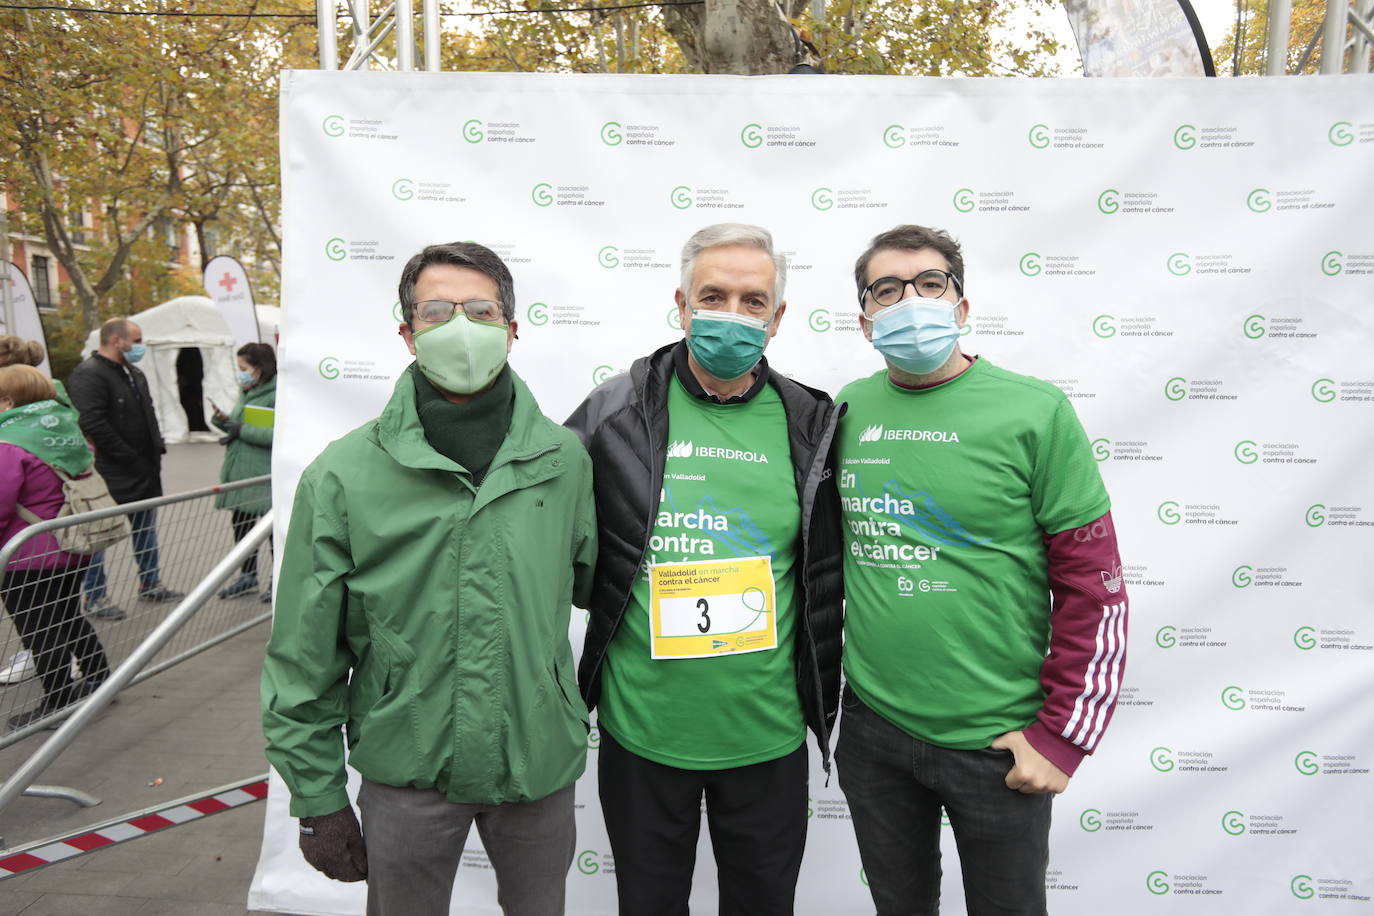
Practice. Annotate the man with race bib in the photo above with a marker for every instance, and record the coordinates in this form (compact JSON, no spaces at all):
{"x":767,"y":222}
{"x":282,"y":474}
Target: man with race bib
{"x":714,"y":634}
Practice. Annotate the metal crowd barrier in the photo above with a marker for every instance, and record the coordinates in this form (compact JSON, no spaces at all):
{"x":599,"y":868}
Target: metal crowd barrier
{"x":58,"y":618}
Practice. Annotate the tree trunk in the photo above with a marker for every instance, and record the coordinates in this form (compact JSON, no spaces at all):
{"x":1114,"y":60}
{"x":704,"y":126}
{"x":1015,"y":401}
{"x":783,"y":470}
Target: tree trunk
{"x":734,"y":36}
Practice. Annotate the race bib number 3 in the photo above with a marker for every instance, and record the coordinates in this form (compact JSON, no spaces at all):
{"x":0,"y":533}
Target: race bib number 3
{"x":706,"y":609}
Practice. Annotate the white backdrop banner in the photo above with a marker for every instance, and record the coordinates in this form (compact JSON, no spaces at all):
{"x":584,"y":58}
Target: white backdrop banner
{"x":1190,"y":260}
{"x":27,"y":323}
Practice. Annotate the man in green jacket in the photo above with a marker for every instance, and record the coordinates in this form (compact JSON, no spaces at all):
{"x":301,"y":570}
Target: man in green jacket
{"x":423,"y":604}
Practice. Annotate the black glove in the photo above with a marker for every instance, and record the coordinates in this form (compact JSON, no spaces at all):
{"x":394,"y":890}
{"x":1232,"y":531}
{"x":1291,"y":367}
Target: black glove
{"x":233,"y":428}
{"x":333,"y":844}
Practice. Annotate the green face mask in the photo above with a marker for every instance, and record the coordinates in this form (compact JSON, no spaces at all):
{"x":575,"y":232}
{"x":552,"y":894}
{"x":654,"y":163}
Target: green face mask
{"x":460,"y":355}
{"x":725,"y":344}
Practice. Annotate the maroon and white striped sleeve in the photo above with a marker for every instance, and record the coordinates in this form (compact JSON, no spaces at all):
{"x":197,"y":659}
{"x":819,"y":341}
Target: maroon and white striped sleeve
{"x":1082,"y":674}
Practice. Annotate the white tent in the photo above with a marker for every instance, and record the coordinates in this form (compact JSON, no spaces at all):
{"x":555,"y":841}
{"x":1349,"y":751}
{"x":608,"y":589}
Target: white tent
{"x":269,"y":321}
{"x":187,"y":322}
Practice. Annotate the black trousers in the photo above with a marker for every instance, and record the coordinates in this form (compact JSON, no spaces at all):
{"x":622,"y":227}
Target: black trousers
{"x":45,"y":605}
{"x":243,"y":523}
{"x":756,"y":815}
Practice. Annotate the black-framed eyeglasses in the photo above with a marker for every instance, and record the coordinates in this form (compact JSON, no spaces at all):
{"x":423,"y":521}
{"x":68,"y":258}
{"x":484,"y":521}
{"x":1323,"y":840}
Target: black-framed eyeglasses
{"x":928,"y":284}
{"x":438,"y":311}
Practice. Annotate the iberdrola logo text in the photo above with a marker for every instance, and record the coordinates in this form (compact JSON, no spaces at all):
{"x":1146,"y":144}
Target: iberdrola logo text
{"x":878,"y":433}
{"x":684,"y":448}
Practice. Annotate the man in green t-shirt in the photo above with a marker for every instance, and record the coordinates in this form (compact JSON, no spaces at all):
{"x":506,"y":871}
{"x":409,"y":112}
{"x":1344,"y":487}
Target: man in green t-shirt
{"x":713,"y":641}
{"x":985,"y":628}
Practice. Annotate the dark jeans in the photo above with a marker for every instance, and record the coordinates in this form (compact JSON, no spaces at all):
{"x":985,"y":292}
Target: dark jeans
{"x":756,"y":815}
{"x":896,"y":784}
{"x":242,"y":523}
{"x":144,"y":536}
{"x":45,"y":605}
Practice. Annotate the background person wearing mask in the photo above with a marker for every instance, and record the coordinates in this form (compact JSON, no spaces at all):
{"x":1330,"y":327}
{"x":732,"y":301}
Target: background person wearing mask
{"x":118,"y":418}
{"x":248,"y":454}
{"x":41,"y":585}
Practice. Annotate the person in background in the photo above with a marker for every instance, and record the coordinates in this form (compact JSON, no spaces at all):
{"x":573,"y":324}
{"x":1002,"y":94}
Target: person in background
{"x":248,"y":437}
{"x":117,"y":416}
{"x":42,"y":584}
{"x":14,"y":350}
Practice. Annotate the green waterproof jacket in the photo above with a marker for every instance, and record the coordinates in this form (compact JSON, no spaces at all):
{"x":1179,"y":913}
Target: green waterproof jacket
{"x":249,"y":454}
{"x":429,"y":617}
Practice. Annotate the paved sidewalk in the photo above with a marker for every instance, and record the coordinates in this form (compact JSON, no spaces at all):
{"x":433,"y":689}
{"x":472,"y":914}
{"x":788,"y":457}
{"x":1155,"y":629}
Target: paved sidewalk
{"x":195,"y":727}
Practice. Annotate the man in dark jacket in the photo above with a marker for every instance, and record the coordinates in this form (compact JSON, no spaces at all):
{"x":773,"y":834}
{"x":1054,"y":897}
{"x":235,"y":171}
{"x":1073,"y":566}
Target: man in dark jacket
{"x":118,"y":418}
{"x":714,"y":633}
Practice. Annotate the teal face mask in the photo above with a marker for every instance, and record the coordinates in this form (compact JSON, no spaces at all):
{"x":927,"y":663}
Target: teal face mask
{"x":135,"y":353}
{"x":725,"y":344}
{"x":460,"y":355}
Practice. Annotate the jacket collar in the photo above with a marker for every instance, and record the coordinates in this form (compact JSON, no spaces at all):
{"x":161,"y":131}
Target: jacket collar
{"x":401,"y":436}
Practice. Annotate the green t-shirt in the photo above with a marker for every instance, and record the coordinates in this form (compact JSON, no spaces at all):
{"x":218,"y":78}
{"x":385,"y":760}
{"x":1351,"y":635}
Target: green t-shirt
{"x":947,"y":493}
{"x":728,"y":491}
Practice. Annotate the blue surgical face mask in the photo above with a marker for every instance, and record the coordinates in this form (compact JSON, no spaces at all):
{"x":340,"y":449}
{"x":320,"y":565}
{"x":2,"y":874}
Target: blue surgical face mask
{"x":135,"y":353}
{"x":916,"y":335}
{"x":725,"y":344}
{"x":246,"y":379}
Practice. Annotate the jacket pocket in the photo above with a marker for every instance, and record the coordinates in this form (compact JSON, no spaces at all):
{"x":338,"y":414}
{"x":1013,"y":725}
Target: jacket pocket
{"x":383,"y":741}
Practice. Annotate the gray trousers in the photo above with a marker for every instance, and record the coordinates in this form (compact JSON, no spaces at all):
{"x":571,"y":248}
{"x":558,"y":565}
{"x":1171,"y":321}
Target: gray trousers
{"x":415,"y":840}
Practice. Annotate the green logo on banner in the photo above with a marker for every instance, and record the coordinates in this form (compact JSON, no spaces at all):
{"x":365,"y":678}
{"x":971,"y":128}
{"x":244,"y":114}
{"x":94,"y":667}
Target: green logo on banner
{"x":610,"y":133}
{"x":1166,"y":637}
{"x":674,"y":319}
{"x":396,"y":311}
{"x":587,"y":862}
{"x":1233,"y":698}
{"x":963,"y":200}
{"x":1253,"y":327}
{"x":863,"y":877}
{"x":403,"y":189}
{"x":537,"y":314}
{"x":1038,"y":136}
{"x":681,"y":197}
{"x":1322,"y":392}
{"x":819,"y":320}
{"x":608,"y":257}
{"x":1315,"y":517}
{"x":1341,"y":134}
{"x":1233,"y":822}
{"x":542,"y":194}
{"x":894,"y":136}
{"x":1305,"y":638}
{"x":1102,"y":449}
{"x":594,"y":738}
{"x":334,"y":249}
{"x":333,"y":126}
{"x":1258,"y":200}
{"x":1162,"y":759}
{"x":328,"y":368}
{"x":821,"y":199}
{"x":1104,"y":326}
{"x":1030,"y":264}
{"x":1184,"y":138}
{"x":1109,"y":201}
{"x":1301,"y":887}
{"x":750,"y":135}
{"x":1245,"y":452}
{"x":1156,"y":882}
{"x":1240,"y":576}
{"x":472,"y":131}
{"x":601,"y":373}
{"x":1090,"y":820}
{"x":1331,"y":263}
{"x":1179,"y":264}
{"x":1167,"y":512}
{"x":1176,"y":388}
{"x":1305,"y":762}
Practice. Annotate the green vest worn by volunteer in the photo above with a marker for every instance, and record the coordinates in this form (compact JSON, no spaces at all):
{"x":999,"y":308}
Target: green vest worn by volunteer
{"x":728,"y":492}
{"x":947,"y":492}
{"x":449,"y":603}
